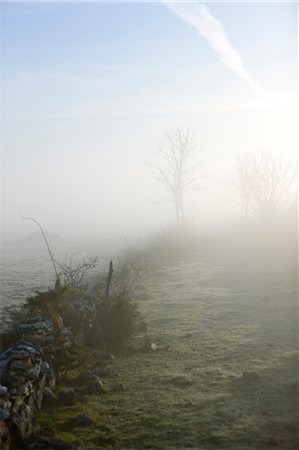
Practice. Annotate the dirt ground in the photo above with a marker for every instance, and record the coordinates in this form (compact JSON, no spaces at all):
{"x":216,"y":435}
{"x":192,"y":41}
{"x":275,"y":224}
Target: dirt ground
{"x":211,"y":324}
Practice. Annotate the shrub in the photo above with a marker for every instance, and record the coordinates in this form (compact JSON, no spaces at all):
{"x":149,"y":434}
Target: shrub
{"x":117,"y":321}
{"x":52,"y":303}
{"x":71,"y":304}
{"x":72,"y":271}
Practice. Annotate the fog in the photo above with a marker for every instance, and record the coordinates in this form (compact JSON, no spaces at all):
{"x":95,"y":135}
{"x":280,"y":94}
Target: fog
{"x":85,"y":177}
{"x":149,"y":225}
{"x":82,"y":123}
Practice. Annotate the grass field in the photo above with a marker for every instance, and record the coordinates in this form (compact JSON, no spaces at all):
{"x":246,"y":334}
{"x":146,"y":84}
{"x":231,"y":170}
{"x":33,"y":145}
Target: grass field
{"x":211,"y":323}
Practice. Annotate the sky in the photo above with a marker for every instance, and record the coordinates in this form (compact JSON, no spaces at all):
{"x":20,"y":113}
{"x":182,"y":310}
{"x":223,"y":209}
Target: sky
{"x":89,"y":90}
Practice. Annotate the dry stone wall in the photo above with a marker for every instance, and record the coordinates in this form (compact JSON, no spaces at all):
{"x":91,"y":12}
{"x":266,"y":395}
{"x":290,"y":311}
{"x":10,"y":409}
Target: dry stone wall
{"x":24,"y":372}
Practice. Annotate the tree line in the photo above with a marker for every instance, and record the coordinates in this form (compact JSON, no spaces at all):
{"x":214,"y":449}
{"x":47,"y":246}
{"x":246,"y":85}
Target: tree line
{"x":262,"y":181}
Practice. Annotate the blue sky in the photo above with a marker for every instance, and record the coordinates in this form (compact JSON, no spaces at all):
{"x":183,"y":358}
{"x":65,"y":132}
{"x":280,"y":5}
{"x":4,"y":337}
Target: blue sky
{"x":91,"y":88}
{"x":74,"y":37}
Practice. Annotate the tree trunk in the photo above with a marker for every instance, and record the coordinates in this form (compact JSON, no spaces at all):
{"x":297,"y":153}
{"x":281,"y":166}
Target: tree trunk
{"x":182,"y":212}
{"x":177,"y":210}
{"x":181,"y":207}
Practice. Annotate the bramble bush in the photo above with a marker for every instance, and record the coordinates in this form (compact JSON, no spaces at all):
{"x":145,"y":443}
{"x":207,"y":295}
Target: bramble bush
{"x":116,"y":322}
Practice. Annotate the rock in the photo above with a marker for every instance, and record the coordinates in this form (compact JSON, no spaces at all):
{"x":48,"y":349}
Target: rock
{"x":66,"y":338}
{"x":49,"y":394}
{"x":105,"y":372}
{"x":3,"y":391}
{"x":249,"y":377}
{"x":67,"y":397}
{"x":23,"y":371}
{"x":4,"y":413}
{"x":37,"y":324}
{"x":21,"y":363}
{"x":46,"y":367}
{"x":149,"y":346}
{"x":13,"y":392}
{"x":143,"y":296}
{"x":5,"y":405}
{"x":94,"y":388}
{"x":79,"y":421}
{"x":85,"y":378}
{"x":180,"y":381}
{"x":50,"y":377}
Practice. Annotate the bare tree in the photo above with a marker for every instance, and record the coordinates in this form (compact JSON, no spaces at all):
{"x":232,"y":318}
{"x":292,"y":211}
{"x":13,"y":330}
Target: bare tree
{"x":263,"y":183}
{"x":177,"y":169}
{"x":73,"y":271}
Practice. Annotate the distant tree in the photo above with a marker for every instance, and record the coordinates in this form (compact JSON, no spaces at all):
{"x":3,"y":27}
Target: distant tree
{"x":262,"y":183}
{"x":177,"y":169}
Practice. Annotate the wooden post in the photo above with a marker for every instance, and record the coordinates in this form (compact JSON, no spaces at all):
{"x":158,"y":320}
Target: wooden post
{"x":108,"y":283}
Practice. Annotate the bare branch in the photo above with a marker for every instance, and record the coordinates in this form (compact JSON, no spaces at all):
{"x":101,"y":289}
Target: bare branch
{"x":73,"y":271}
{"x":46,"y":241}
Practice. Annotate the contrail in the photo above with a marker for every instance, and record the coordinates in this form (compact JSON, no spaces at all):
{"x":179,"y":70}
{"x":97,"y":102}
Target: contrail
{"x":198,"y":15}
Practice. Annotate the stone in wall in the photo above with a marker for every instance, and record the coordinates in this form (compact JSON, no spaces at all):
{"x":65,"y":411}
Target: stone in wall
{"x":23,"y":371}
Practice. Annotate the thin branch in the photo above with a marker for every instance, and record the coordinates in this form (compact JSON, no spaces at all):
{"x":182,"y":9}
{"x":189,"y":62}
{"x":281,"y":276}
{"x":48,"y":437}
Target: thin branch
{"x":46,"y":241}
